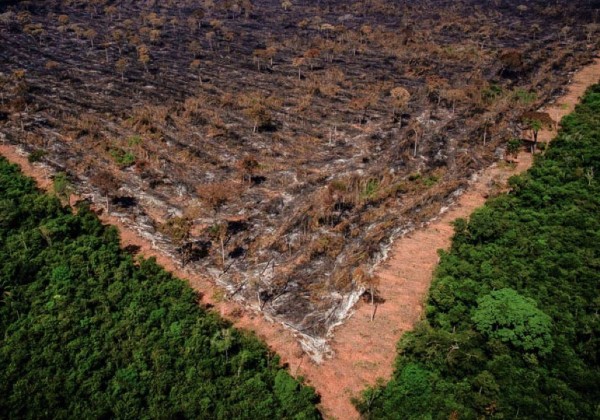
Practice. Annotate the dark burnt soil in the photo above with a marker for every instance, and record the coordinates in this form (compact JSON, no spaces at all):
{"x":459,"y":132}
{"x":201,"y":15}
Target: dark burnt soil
{"x":272,"y":148}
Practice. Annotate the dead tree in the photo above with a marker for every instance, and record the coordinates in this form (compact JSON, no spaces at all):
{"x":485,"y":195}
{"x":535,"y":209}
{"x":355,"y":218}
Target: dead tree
{"x":106,"y":184}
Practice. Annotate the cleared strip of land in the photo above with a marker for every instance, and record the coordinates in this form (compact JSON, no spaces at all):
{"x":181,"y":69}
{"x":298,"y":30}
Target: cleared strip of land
{"x":365,"y":350}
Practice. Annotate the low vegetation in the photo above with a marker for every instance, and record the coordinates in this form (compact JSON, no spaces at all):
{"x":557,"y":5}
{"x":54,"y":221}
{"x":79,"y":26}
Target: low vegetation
{"x":512,"y":320}
{"x":90,"y":332}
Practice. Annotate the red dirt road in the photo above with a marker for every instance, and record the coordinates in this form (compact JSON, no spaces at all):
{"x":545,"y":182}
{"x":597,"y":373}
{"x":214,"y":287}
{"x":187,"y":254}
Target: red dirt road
{"x":364,"y":350}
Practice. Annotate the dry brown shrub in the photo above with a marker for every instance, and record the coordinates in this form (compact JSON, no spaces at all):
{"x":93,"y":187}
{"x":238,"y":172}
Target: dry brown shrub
{"x":105,"y":182}
{"x":335,"y":75}
{"x":149,"y":118}
{"x":214,"y":132}
{"x":301,"y":260}
{"x":360,"y":275}
{"x":227,"y":100}
{"x":217,"y":194}
{"x":51,"y":65}
{"x":329,"y":90}
{"x":342,"y":280}
{"x":195,"y":112}
{"x":511,"y":59}
{"x":177,"y":229}
{"x":248,"y":166}
{"x":400,"y":97}
{"x":328,"y":245}
{"x":85,"y":125}
{"x":317,"y":290}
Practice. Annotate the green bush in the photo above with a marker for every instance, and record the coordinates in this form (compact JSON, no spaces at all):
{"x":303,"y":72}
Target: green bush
{"x":36,"y":156}
{"x":122,"y":158}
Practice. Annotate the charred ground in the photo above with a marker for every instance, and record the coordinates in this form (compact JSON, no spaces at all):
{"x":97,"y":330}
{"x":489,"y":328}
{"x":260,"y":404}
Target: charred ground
{"x":279,"y":147}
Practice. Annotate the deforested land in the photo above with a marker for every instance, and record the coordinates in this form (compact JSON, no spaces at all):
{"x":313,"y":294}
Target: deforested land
{"x":277,"y":148}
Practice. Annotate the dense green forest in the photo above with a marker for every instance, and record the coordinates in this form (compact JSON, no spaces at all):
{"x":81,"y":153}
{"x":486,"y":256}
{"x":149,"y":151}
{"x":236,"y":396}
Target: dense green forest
{"x":512,"y":322}
{"x":87,"y":331}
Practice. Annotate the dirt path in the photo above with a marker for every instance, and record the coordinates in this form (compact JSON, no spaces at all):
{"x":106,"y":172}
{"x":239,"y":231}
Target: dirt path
{"x":277,"y":337}
{"x":364,"y":350}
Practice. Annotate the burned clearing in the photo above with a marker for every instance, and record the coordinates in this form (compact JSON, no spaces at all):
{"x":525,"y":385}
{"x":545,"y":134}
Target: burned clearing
{"x":280,"y":147}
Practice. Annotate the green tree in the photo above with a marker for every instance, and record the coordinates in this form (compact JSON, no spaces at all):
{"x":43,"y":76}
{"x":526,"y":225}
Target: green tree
{"x":512,"y":147}
{"x":535,"y":127}
{"x":511,"y":318}
{"x":62,"y":187}
{"x":535,"y":121}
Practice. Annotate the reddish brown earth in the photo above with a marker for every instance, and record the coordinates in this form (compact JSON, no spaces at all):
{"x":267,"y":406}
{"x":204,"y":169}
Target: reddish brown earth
{"x":364,"y":350}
